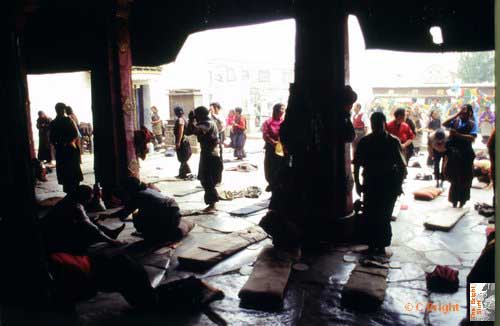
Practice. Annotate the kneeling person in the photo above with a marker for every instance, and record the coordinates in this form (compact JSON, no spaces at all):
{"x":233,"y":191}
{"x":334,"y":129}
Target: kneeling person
{"x":158,"y":216}
{"x":67,"y":227}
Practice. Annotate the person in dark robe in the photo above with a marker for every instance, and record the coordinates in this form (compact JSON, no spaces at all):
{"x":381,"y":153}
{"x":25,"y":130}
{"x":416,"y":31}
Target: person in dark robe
{"x":216,"y":116}
{"x":459,"y":159}
{"x":182,"y":146}
{"x":44,"y":150}
{"x":384,"y":169}
{"x":239,"y":137}
{"x":63,"y":135}
{"x":433,"y":125}
{"x":72,"y":116}
{"x":273,"y":161}
{"x":158,"y":216}
{"x":157,"y":126}
{"x":410,"y":150}
{"x":210,"y":168}
{"x":67,"y":227}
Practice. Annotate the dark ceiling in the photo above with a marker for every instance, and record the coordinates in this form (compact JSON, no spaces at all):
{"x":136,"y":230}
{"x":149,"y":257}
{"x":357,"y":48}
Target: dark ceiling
{"x":61,"y":35}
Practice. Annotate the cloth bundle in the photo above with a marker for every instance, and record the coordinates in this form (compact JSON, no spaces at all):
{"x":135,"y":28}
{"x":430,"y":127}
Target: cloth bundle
{"x":484,"y":209}
{"x":243,"y":167}
{"x":427,"y":193}
{"x":442,"y":279}
{"x":249,"y":192}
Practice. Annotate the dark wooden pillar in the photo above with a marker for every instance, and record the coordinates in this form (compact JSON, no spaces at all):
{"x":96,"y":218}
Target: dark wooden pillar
{"x":23,"y":274}
{"x":313,"y":130}
{"x":112,"y":98}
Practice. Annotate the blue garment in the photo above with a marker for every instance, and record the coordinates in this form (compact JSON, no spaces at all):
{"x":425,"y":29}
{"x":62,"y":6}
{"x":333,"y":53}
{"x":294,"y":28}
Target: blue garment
{"x":464,"y":127}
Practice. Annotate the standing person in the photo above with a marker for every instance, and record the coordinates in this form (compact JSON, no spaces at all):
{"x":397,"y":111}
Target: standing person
{"x":409,"y":121}
{"x":360,"y":123}
{"x":486,"y":123}
{"x":459,"y":158}
{"x":239,"y":137}
{"x":217,"y":117}
{"x":402,"y":131}
{"x":210,"y":168}
{"x":434,"y":121}
{"x":229,"y":129}
{"x":72,"y":116}
{"x":384,"y":169}
{"x":63,"y":135}
{"x":433,"y":125}
{"x":418,"y":120}
{"x":271,"y":133}
{"x":182,"y":146}
{"x":437,"y":144}
{"x":156,"y":125}
{"x":43,"y":125}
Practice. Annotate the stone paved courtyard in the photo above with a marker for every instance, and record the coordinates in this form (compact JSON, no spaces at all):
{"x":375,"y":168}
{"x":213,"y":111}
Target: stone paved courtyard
{"x":313,"y":295}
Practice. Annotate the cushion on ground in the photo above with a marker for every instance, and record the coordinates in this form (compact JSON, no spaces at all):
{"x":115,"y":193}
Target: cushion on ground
{"x":265,"y":288}
{"x":365,"y":289}
{"x":443,"y":219}
{"x":427,"y":193}
{"x":209,"y":253}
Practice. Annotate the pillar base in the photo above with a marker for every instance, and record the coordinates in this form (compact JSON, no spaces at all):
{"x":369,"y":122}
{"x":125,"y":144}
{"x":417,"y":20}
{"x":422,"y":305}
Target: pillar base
{"x":332,"y":231}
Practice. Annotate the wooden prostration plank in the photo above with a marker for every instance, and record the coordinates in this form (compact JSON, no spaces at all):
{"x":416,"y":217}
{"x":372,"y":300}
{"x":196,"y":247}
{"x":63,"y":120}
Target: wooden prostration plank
{"x":365,"y":289}
{"x":265,"y":288}
{"x":444,"y":219}
{"x":213,"y":251}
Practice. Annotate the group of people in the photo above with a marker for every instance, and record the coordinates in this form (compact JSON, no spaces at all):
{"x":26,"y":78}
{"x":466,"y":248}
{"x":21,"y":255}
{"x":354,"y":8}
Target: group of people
{"x":209,"y":127}
{"x":77,"y":273}
{"x":384,"y":154}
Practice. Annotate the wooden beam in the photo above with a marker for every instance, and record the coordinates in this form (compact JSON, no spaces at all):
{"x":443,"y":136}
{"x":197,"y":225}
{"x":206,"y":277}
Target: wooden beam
{"x":112,"y":99}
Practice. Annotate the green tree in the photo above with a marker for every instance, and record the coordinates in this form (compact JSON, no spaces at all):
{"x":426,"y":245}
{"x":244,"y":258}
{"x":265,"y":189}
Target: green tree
{"x":476,"y":67}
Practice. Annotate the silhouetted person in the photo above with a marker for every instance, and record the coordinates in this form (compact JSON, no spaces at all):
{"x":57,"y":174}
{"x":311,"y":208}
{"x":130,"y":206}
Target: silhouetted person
{"x":182,"y":146}
{"x":72,"y":116}
{"x":460,"y":155}
{"x":384,"y":169}
{"x":64,"y":135}
{"x":43,"y":125}
{"x":220,"y":122}
{"x":157,"y":217}
{"x":67,"y":228}
{"x":210,"y":168}
{"x":437,"y":144}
